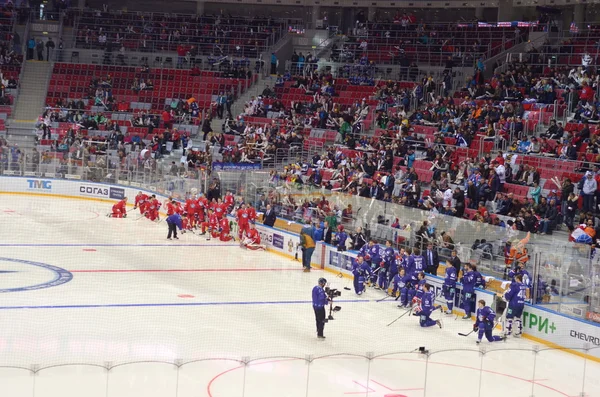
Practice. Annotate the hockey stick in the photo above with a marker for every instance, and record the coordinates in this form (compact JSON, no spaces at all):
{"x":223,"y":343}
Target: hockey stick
{"x":341,"y":275}
{"x":461,"y":334}
{"x":384,"y":298}
{"x":402,"y":315}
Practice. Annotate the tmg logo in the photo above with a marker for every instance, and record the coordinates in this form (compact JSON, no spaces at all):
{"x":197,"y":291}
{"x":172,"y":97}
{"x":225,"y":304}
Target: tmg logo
{"x":37,"y":184}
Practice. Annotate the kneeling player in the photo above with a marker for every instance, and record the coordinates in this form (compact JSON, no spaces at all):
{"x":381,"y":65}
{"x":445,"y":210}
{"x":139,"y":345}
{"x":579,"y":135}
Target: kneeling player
{"x":515,"y":297}
{"x":212,"y":225}
{"x":152,"y":209}
{"x":484,"y":323}
{"x":119,"y":210}
{"x":225,"y":231}
{"x":141,"y":200}
{"x":428,"y":307}
{"x":252,"y":240}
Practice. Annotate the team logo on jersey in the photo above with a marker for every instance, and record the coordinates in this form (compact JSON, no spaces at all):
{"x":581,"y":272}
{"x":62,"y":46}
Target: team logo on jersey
{"x":20,"y":275}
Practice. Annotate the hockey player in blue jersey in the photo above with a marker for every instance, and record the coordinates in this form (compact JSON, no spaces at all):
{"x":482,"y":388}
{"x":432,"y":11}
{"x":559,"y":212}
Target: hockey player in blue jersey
{"x":341,"y":238}
{"x":515,"y":296}
{"x":402,"y":260}
{"x":484,"y":323}
{"x":418,"y":291}
{"x":401,"y":288}
{"x":427,"y":307}
{"x":394,"y":268}
{"x":416,"y":263}
{"x":468,"y":282}
{"x":449,"y":287}
{"x":387,"y":258}
{"x":479,"y":280}
{"x":361,"y":271}
{"x":526,"y":277}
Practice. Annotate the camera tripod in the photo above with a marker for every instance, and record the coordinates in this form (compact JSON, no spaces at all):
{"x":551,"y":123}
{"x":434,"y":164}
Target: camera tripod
{"x":332,"y":309}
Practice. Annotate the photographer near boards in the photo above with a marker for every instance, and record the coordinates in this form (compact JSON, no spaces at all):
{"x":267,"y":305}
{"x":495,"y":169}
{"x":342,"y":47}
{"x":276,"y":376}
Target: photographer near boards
{"x":307,"y":242}
{"x":320,"y":300}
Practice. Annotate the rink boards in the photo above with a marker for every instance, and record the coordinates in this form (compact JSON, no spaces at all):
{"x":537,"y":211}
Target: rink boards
{"x":540,"y":324}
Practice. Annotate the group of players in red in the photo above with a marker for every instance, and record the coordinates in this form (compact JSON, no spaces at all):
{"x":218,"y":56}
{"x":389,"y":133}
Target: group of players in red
{"x":198,"y":212}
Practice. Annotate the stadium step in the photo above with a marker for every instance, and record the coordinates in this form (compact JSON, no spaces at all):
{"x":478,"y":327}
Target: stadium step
{"x":32,"y":93}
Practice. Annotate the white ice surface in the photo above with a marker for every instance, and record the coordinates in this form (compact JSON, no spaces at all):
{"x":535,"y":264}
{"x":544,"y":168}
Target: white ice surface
{"x":136,"y":297}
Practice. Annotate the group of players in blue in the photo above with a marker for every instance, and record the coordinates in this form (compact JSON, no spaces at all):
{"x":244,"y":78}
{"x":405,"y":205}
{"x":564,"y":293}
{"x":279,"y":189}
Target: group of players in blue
{"x":403,"y":273}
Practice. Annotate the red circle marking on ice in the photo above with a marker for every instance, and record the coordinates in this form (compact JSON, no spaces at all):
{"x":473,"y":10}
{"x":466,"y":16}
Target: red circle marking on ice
{"x":185,"y":296}
{"x":89,"y":250}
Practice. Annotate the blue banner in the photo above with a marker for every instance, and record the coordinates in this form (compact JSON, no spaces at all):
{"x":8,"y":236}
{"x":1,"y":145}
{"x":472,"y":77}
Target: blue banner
{"x":218,"y":166}
{"x":341,"y":260}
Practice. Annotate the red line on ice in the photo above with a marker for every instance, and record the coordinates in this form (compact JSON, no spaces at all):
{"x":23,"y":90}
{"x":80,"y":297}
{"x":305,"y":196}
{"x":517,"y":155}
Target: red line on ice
{"x":390,"y":389}
{"x":210,"y":394}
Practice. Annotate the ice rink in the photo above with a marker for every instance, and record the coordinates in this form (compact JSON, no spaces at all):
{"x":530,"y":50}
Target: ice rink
{"x":82,"y":292}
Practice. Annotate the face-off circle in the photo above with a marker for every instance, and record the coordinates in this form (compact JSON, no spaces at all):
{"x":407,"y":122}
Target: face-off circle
{"x":18,"y":275}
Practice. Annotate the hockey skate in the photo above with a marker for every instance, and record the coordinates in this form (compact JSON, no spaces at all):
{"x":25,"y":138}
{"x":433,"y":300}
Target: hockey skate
{"x":517,"y":335}
{"x":448,"y":312}
{"x":465,"y":317}
{"x":439,"y":323}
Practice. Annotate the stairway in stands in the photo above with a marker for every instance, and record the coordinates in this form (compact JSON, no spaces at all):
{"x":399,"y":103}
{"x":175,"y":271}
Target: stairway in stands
{"x":30,"y":103}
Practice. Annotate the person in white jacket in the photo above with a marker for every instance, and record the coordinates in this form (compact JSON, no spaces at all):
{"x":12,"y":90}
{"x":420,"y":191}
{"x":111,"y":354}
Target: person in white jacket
{"x":589,"y":191}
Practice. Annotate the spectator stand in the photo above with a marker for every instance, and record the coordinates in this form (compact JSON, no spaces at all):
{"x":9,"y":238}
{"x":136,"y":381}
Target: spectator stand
{"x":431,"y":44}
{"x":190,"y":36}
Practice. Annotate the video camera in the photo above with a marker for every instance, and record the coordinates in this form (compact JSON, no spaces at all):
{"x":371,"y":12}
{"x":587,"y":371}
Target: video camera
{"x":332,"y":293}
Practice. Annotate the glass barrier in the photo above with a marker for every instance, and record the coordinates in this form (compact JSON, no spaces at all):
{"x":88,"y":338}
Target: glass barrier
{"x":451,"y":372}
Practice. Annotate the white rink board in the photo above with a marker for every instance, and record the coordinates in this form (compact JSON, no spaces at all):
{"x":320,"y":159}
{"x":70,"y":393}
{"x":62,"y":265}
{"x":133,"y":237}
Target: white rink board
{"x":555,"y":328}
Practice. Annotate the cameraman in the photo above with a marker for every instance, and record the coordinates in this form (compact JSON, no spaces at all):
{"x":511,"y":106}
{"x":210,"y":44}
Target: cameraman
{"x":319,"y":300}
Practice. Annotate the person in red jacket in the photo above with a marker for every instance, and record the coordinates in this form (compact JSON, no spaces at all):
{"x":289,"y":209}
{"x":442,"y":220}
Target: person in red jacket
{"x":225,"y":230}
{"x":252,"y":240}
{"x":587,"y":93}
{"x":243,"y":221}
{"x":119,"y":210}
{"x":152,"y":209}
{"x":141,"y":200}
{"x":212,"y":225}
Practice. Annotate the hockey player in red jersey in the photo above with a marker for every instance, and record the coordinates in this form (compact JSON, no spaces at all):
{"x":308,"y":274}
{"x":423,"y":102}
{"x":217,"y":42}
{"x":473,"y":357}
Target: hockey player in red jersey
{"x":225,"y":231}
{"x":170,"y":205}
{"x":202,"y":207}
{"x":220,"y":209}
{"x":152,"y":209}
{"x":229,"y":201}
{"x":251,"y":213}
{"x":191,"y":209}
{"x":119,"y":210}
{"x":186,"y":221}
{"x":212,"y":225}
{"x":252,"y":240}
{"x":178,"y":208}
{"x":242,"y":221}
{"x":141,"y":200}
